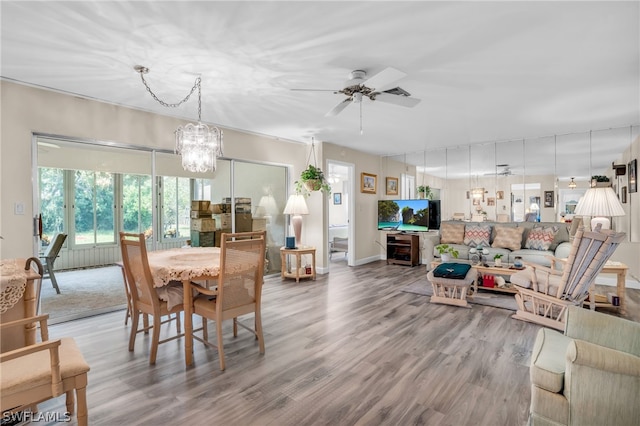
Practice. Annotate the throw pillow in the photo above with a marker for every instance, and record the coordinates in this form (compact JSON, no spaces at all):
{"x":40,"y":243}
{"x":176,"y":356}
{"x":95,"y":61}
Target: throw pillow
{"x":477,"y":235}
{"x":451,"y":233}
{"x":508,"y":238}
{"x":540,"y":238}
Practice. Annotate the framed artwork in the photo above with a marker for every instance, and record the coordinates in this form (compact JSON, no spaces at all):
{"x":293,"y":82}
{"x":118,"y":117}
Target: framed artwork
{"x":623,"y":195}
{"x":548,"y":198}
{"x":368,"y":183}
{"x":633,"y":172}
{"x":392,"y":186}
{"x":337,"y":198}
{"x":500,"y":195}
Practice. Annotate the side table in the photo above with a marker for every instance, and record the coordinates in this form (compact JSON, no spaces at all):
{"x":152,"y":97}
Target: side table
{"x":297,"y":252}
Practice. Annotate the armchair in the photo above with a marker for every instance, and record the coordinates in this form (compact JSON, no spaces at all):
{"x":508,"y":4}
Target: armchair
{"x":590,"y":375}
{"x":42,"y":371}
{"x":544,"y":294}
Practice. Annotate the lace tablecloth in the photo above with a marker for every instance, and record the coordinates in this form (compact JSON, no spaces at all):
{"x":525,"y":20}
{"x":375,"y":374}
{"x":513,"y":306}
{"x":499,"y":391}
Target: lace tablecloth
{"x":13,"y":281}
{"x":183,"y":264}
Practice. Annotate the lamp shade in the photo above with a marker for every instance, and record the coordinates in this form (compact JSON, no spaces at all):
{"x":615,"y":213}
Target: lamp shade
{"x":267,"y":205}
{"x":599,"y":201}
{"x":296,"y":205}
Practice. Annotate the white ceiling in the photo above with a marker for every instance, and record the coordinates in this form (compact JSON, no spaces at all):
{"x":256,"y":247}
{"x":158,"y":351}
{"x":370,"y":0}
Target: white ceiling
{"x":485,"y":71}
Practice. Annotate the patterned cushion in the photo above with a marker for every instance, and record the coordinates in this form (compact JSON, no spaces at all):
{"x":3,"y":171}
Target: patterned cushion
{"x":508,"y":237}
{"x":451,"y":233}
{"x":477,"y":235}
{"x":540,"y":238}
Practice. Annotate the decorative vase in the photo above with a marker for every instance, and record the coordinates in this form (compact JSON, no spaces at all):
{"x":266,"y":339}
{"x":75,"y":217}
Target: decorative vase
{"x":445,"y":257}
{"x":498,"y":262}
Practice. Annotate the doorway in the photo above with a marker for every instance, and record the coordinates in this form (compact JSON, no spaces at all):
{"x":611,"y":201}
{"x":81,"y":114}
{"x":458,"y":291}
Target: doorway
{"x":340,"y":212}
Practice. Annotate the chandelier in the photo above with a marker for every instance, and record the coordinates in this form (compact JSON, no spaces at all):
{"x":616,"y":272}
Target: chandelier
{"x":572,"y":184}
{"x":198,"y":144}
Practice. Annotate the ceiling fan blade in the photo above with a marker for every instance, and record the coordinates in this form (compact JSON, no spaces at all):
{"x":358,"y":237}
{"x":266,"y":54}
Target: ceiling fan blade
{"x":315,"y":90}
{"x":406,"y":101}
{"x":384,"y":79}
{"x":338,"y":108}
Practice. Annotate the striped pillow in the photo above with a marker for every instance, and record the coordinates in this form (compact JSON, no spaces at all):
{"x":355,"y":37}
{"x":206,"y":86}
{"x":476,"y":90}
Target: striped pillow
{"x":508,"y":237}
{"x":451,"y":233}
{"x":477,"y":235}
{"x":541,"y":237}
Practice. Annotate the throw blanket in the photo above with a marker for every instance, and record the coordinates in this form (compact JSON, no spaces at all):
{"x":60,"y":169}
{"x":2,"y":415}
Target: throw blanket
{"x":455,"y":271}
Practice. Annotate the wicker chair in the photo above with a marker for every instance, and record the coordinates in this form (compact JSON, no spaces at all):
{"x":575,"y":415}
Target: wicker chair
{"x":545,"y":293}
{"x":238,"y":291}
{"x":144,"y":298}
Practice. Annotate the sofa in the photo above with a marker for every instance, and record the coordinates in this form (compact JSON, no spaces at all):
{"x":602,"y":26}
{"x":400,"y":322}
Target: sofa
{"x":534,"y":242}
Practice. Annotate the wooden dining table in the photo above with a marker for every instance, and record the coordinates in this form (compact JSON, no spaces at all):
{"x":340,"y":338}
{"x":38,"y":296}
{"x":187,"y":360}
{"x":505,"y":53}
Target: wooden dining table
{"x":190,"y":264}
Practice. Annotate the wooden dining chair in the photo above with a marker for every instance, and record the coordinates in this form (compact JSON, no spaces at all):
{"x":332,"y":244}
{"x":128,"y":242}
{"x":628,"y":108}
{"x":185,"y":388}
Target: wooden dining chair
{"x":49,"y":258}
{"x":239,"y":289}
{"x":42,"y":371}
{"x":144,"y":297}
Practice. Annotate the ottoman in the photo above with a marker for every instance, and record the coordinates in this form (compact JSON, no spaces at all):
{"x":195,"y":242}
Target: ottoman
{"x":450,"y":282}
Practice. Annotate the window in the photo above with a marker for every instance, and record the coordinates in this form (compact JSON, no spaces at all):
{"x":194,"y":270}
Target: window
{"x":94,"y":207}
{"x":52,"y":203}
{"x":137,"y":204}
{"x":176,"y":205}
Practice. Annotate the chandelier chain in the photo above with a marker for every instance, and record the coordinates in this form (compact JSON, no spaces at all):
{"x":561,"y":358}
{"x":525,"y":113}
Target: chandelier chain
{"x":196,"y":85}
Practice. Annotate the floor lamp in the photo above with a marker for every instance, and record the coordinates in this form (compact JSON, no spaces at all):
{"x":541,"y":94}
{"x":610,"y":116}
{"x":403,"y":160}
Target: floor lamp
{"x":296,"y":206}
{"x":600,"y":203}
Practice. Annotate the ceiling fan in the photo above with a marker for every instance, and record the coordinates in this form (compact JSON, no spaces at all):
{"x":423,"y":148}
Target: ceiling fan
{"x":379,"y":87}
{"x":506,"y":171}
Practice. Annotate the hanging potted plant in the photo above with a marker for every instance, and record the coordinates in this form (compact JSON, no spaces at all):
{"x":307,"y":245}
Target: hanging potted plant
{"x":312,"y":179}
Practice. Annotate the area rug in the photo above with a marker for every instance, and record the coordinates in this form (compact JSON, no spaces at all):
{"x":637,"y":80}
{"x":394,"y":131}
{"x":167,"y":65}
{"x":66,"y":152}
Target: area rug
{"x":486,"y":298}
{"x":84,"y":292}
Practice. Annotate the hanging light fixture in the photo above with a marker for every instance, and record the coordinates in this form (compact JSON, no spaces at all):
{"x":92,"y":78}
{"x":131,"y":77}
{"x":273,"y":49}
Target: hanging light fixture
{"x":198,"y":144}
{"x":572,"y":184}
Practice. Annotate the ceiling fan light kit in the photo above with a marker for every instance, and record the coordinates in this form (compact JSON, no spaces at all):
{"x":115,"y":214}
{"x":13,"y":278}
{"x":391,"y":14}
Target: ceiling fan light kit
{"x":379,"y":87}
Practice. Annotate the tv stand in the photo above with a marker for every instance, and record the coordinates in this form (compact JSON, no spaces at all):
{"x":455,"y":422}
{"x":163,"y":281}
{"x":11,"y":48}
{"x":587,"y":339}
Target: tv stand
{"x":403,"y":249}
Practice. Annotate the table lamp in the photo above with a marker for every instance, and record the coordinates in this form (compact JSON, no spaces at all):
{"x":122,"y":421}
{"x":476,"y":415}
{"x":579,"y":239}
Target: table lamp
{"x":296,"y":206}
{"x":600,"y":203}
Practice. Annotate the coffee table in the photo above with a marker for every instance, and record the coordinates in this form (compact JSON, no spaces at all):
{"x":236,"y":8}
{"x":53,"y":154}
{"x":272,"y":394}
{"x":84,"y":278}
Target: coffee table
{"x":488,"y":268}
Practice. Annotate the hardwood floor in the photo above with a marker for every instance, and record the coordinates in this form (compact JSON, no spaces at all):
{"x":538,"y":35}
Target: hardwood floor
{"x":349,"y":348}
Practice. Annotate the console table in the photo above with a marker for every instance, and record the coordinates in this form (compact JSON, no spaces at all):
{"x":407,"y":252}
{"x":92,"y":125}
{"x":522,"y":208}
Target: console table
{"x":297,"y":252}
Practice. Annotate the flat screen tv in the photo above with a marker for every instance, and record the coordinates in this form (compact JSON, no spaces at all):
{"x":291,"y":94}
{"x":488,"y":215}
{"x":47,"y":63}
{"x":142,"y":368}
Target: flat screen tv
{"x":403,"y":215}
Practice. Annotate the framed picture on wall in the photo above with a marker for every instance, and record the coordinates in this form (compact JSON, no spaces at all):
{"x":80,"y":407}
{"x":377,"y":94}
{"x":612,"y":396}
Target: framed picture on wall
{"x":392,"y":186}
{"x":633,"y":173}
{"x":337,"y":198}
{"x":548,"y":198}
{"x":500,"y":195}
{"x":368,"y":183}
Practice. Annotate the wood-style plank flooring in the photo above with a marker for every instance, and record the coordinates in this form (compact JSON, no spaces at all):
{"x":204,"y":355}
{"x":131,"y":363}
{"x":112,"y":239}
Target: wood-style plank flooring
{"x":347,"y":349}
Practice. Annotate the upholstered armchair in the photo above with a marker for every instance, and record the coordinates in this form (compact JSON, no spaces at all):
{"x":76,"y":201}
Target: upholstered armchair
{"x":590,"y":375}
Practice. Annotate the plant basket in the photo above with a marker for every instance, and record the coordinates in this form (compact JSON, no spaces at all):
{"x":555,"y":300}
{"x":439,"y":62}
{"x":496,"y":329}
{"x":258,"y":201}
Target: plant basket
{"x":312,"y":184}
